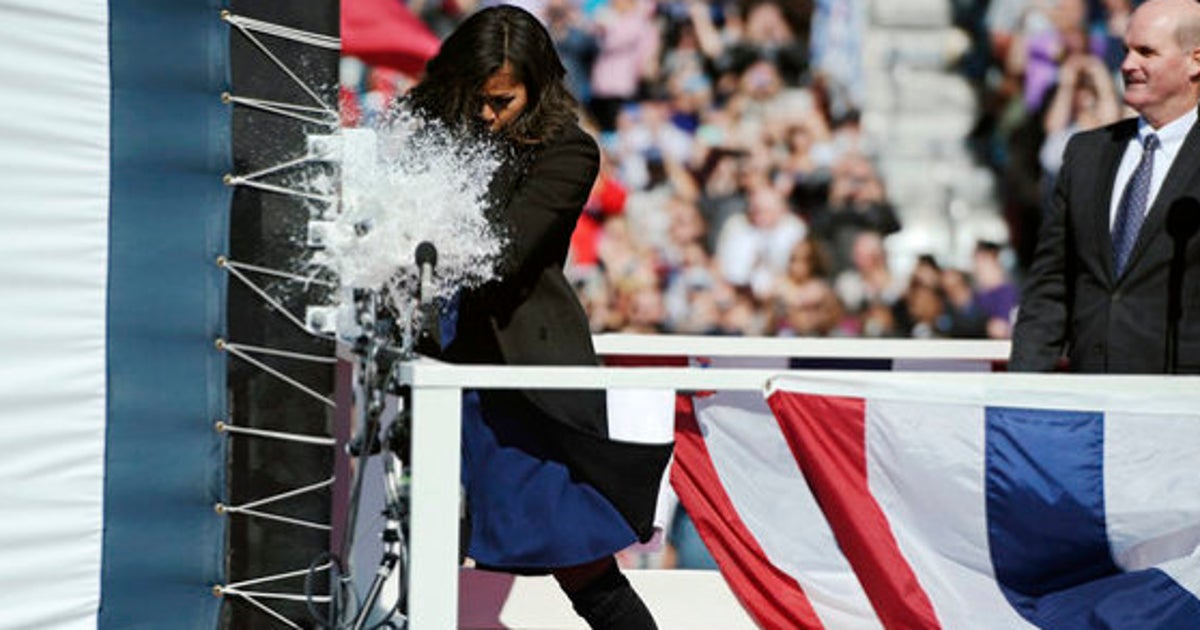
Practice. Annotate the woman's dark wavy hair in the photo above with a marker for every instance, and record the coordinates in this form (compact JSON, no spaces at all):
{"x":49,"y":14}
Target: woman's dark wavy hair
{"x":450,"y":89}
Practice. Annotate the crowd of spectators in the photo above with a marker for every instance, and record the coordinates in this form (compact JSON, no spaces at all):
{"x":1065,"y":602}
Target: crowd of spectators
{"x":739,"y":194}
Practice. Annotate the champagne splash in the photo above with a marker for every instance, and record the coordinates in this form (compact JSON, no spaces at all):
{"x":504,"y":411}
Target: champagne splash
{"x":406,"y":182}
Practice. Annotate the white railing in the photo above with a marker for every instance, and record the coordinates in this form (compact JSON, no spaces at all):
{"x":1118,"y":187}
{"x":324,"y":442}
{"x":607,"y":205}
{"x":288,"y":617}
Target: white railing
{"x":437,"y":407}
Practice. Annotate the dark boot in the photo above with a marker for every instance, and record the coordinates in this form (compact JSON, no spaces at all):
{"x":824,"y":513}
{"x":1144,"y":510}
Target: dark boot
{"x":609,"y":603}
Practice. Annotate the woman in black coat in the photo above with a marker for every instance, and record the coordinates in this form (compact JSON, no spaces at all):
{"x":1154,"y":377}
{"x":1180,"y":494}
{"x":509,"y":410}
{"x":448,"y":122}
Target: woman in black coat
{"x":547,"y":490}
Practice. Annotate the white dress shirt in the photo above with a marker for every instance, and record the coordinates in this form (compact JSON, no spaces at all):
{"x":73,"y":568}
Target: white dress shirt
{"x":1170,"y":141}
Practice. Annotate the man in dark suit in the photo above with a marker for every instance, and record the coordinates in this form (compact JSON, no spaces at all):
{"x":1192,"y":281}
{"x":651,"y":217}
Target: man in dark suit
{"x":1115,"y":280}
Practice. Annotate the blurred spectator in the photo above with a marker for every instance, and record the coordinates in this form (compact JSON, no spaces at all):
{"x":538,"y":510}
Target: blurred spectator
{"x":1056,"y":31}
{"x":620,"y":254}
{"x":869,"y":283}
{"x":721,"y":193}
{"x":923,"y":305}
{"x":688,"y":270}
{"x":1086,"y":98}
{"x":764,"y":106}
{"x":741,"y":313}
{"x":686,"y":230}
{"x":810,"y":310}
{"x":685,"y":549}
{"x":646,"y":311}
{"x":687,"y":85}
{"x":856,"y":203}
{"x":995,"y":290}
{"x":963,"y":318}
{"x":927,"y":271}
{"x":576,"y":46}
{"x":628,"y":48}
{"x":754,"y":247}
{"x":775,"y":31}
{"x":691,"y":294}
{"x":808,"y":163}
{"x":809,"y":260}
{"x":648,"y":144}
{"x":837,"y":45}
{"x":877,"y":320}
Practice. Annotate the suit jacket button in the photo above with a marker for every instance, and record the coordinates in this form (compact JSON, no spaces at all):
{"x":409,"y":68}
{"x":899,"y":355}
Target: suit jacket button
{"x":543,"y":334}
{"x":1097,"y":348}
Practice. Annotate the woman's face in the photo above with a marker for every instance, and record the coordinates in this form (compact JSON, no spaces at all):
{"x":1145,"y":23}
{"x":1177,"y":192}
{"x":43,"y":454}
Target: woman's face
{"x":504,"y":98}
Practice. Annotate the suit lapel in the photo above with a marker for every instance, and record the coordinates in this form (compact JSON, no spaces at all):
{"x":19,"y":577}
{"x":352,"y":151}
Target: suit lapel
{"x":1183,"y":169}
{"x":1110,"y":161}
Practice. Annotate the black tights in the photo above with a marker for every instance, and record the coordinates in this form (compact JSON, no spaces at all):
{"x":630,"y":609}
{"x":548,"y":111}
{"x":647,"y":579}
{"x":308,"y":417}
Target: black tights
{"x":604,"y":598}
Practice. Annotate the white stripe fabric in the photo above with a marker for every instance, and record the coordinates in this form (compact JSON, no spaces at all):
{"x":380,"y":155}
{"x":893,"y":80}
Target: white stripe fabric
{"x":1151,"y":494}
{"x":54,"y":163}
{"x":644,"y":416}
{"x":761,"y":478}
{"x":934,"y":499}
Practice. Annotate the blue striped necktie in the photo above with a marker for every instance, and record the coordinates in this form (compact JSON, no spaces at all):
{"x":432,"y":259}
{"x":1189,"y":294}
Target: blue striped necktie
{"x":1132,"y":209}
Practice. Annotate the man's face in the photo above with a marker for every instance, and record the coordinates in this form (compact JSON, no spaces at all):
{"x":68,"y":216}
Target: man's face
{"x":1158,"y":71}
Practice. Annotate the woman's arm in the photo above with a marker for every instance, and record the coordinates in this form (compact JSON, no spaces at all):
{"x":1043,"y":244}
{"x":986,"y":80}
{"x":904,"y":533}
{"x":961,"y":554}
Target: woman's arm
{"x":546,"y":205}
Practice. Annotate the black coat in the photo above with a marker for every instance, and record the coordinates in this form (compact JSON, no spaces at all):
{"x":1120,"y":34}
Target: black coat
{"x":1072,"y":301}
{"x":531,"y":316}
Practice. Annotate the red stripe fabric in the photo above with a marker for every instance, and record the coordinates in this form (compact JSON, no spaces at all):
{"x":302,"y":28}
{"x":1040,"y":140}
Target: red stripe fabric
{"x":827,"y":434}
{"x":773,"y":598}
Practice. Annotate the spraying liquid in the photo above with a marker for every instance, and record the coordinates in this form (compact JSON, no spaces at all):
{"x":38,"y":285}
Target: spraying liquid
{"x":407,"y":182}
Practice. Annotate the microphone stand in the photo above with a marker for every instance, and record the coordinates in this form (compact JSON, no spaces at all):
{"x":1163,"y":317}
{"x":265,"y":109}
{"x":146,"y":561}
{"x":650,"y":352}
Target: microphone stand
{"x":376,"y":356}
{"x":393,"y":548}
{"x":1183,"y":219}
{"x":1174,"y":311}
{"x":395,"y":445}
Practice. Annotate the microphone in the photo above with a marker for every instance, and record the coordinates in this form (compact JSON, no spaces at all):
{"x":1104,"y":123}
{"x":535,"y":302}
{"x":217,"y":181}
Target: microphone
{"x":1183,"y":219}
{"x":427,"y":343}
{"x":426,"y":261}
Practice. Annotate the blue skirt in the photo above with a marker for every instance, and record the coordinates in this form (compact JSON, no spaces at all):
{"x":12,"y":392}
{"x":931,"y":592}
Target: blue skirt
{"x":527,"y":513}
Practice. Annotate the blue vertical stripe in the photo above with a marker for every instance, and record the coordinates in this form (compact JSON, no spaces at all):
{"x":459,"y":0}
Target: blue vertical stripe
{"x":170,"y":138}
{"x":1045,"y":499}
{"x":1047,"y":532}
